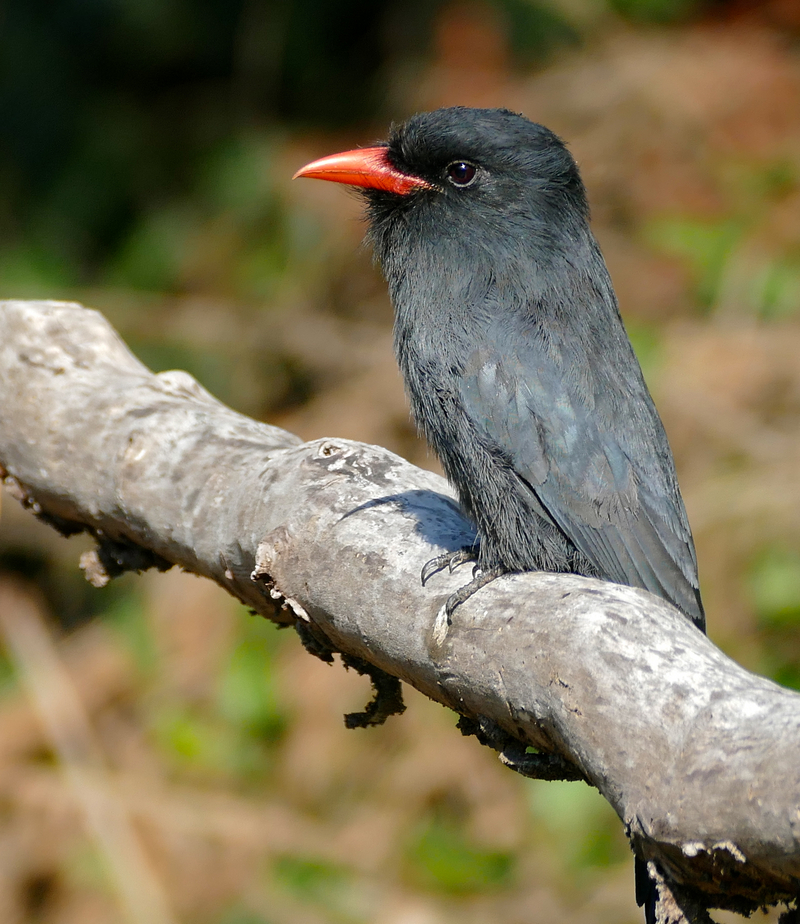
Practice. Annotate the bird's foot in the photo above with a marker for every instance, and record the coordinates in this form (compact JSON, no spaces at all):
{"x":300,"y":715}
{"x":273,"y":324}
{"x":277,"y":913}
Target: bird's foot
{"x":480,"y":579}
{"x":444,"y":618}
{"x":451,"y":560}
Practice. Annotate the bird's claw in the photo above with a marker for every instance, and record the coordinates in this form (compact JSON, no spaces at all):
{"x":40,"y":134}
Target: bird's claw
{"x":450,"y":560}
{"x":434,"y":566}
{"x":480,"y":579}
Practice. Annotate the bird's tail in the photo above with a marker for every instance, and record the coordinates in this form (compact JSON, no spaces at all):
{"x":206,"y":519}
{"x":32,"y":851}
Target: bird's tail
{"x":646,"y":891}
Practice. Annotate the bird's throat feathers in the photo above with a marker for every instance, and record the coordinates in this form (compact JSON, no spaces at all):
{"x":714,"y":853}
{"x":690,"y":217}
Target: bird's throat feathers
{"x":464,"y":278}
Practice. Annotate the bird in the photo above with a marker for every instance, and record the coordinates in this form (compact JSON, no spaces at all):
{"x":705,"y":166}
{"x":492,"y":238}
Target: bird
{"x":518,"y":368}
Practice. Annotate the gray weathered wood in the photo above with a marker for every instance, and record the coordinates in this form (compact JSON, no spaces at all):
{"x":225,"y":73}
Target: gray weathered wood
{"x":700,"y":759}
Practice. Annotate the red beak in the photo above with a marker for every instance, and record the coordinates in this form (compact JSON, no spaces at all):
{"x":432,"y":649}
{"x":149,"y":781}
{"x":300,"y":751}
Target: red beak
{"x":367,"y":167}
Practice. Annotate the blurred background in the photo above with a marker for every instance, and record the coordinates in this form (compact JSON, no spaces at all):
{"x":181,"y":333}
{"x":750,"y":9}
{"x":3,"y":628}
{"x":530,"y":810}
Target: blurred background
{"x":166,"y":757}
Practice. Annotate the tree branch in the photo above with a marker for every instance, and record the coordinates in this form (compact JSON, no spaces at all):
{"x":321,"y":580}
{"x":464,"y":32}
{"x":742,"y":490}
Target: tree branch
{"x":700,"y":759}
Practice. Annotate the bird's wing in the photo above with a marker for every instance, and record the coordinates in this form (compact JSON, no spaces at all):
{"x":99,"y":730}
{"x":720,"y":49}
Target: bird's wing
{"x":611,"y":490}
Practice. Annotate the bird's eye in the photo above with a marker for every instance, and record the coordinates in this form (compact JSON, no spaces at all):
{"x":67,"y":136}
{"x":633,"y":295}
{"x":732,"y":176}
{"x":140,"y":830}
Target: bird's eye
{"x":461,"y":172}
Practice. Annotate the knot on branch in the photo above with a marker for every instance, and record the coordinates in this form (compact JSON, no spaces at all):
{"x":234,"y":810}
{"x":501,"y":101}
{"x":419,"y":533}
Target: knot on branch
{"x":672,"y":904}
{"x":112,"y":558}
{"x":388,"y":698}
{"x":516,"y":755}
{"x":271,"y":549}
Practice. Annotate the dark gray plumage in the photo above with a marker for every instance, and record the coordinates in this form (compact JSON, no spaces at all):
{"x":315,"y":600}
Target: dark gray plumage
{"x":518,"y":368}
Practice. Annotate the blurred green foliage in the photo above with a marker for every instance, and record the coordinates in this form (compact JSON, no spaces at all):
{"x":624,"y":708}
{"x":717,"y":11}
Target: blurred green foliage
{"x":227,"y":232}
{"x":110,"y":111}
{"x":659,"y":11}
{"x":580,"y":822}
{"x":742,"y":259}
{"x":88,"y":868}
{"x":235,"y":733}
{"x":328,"y":886}
{"x":238,"y":915}
{"x":441,"y":857}
{"x":730,"y":270}
{"x":129,"y":132}
{"x":536,"y":31}
{"x":8,"y":675}
{"x":249,"y":695}
{"x":776,"y":288}
{"x":126,"y":615}
{"x":705,"y":245}
{"x":60,"y":583}
{"x":774,"y":585}
{"x":646,"y":341}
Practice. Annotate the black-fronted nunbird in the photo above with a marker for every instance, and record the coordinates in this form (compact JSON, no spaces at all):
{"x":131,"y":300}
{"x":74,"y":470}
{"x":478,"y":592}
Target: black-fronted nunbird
{"x":518,"y":368}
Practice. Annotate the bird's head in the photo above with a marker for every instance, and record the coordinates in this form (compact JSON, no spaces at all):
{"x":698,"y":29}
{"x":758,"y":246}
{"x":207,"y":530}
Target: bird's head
{"x":467,"y":202}
{"x":489,"y":171}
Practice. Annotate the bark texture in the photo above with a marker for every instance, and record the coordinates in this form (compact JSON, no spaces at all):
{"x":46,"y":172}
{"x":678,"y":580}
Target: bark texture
{"x":700,"y":759}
